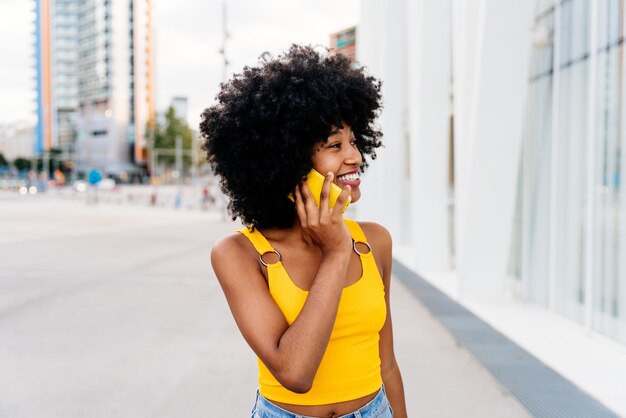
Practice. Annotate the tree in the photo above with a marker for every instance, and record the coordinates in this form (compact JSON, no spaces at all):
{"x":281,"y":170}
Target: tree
{"x":3,"y":161}
{"x":165,"y":138}
{"x":22,"y":164}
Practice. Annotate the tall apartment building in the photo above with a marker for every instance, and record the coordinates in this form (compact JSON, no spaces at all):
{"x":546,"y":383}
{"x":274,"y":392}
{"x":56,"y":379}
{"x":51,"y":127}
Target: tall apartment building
{"x":57,"y":86}
{"x":95,"y":80}
{"x":181,"y":106}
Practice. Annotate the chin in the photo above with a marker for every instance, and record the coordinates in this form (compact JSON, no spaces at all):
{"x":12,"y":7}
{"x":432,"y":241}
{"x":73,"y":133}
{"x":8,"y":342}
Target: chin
{"x":355,"y":196}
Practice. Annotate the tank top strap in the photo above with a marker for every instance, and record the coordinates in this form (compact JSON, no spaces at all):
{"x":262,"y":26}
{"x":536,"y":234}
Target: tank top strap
{"x":261,"y":244}
{"x":355,"y":231}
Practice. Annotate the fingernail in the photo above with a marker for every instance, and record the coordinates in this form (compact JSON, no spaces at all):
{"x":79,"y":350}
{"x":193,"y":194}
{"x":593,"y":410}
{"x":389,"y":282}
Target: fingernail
{"x":329,"y":174}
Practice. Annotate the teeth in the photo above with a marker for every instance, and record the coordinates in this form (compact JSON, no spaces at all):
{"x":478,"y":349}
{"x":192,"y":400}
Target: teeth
{"x":349,"y":177}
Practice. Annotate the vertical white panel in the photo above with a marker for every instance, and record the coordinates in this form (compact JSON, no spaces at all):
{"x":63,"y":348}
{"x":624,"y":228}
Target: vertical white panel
{"x":384,"y":186}
{"x":370,"y":43}
{"x":621,"y":224}
{"x":465,"y":33}
{"x":591,"y":166}
{"x":429,"y":55}
{"x":495,"y":121}
{"x":554,"y":155}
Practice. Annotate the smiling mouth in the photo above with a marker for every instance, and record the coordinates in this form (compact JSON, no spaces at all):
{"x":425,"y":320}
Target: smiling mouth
{"x":348,"y":178}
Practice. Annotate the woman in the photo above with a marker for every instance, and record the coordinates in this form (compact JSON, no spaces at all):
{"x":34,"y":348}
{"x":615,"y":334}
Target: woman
{"x":309,"y":290}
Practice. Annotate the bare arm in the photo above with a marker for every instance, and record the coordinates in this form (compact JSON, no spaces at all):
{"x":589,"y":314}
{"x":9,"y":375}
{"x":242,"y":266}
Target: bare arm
{"x":380,"y":239}
{"x":292,"y":353}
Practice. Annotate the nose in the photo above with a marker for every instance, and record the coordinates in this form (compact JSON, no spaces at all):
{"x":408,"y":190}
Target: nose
{"x":353,"y":156}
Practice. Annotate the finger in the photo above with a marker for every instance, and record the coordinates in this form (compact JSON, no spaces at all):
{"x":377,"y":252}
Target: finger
{"x":300,"y":206}
{"x":341,"y":200}
{"x":312,"y":212}
{"x":325,"y":194}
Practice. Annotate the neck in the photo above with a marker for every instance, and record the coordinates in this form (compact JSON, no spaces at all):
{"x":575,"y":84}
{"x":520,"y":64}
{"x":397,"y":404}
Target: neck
{"x":295,"y":234}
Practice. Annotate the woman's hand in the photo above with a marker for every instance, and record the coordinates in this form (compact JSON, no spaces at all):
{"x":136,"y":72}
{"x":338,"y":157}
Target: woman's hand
{"x":325,"y":225}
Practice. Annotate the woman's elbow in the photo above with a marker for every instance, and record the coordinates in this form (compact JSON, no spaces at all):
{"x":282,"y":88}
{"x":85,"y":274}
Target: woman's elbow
{"x":300,"y":387}
{"x":295,"y":382}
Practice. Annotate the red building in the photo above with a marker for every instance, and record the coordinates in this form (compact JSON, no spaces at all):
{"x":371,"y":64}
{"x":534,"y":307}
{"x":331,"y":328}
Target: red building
{"x":344,"y":42}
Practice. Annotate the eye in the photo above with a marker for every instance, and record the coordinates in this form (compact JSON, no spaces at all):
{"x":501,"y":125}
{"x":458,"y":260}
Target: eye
{"x":353,"y":142}
{"x":335,"y":145}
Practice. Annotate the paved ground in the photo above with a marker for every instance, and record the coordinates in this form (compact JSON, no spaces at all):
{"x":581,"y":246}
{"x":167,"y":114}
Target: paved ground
{"x":113,"y":311}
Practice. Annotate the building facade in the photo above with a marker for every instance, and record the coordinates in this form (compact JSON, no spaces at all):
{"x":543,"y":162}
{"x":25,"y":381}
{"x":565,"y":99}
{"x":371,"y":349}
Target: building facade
{"x":504,"y":136}
{"x":181,"y":106}
{"x":17,"y":140}
{"x":344,"y":42}
{"x":56,"y":55}
{"x":573,"y":229}
{"x":95,"y":71}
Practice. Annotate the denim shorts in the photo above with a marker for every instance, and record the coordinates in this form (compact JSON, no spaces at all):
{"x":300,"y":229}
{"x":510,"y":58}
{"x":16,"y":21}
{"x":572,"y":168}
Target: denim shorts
{"x":376,"y":408}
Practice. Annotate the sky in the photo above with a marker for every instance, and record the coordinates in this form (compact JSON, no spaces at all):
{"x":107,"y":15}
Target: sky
{"x":187,"y":43}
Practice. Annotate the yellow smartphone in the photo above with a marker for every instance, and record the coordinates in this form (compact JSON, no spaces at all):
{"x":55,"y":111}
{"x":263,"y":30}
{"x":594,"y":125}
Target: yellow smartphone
{"x":315,"y":181}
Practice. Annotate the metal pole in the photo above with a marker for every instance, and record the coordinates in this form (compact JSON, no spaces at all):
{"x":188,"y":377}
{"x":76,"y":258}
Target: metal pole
{"x":33,"y":167}
{"x":153,"y":165}
{"x":179,"y":169}
{"x":194,"y":169}
{"x":46,"y":169}
{"x":75,"y":159}
{"x":221,"y":197}
{"x":225,"y":36}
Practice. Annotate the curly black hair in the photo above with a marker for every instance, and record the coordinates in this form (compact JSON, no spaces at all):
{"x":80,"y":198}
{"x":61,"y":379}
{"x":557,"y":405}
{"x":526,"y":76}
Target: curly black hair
{"x":261,"y":134}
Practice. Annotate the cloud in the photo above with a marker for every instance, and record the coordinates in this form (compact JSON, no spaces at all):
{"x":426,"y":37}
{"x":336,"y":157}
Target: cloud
{"x":191,"y":37}
{"x":17,"y":85}
{"x":187,"y":41}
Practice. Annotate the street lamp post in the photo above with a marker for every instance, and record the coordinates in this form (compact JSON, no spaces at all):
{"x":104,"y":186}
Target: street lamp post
{"x":179,"y":170}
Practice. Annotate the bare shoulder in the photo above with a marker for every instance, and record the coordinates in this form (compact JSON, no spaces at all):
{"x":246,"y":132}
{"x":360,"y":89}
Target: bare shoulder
{"x":379,"y":239}
{"x":377,"y":235}
{"x":232,"y":253}
{"x":234,"y":242}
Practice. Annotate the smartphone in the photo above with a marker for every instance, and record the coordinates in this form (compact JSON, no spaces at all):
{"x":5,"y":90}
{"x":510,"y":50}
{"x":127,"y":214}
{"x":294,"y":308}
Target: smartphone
{"x":315,"y":181}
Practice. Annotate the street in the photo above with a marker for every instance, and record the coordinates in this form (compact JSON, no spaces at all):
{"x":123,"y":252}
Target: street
{"x":112,"y":310}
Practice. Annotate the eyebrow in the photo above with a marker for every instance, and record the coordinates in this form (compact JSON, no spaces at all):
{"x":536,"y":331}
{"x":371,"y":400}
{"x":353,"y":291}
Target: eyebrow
{"x":337,"y":131}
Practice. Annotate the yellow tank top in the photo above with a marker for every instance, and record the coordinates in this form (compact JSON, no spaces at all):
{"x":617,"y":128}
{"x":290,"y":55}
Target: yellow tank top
{"x":350,"y":368}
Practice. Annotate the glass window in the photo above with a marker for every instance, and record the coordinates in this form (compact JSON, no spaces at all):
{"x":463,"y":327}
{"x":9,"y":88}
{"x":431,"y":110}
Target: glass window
{"x":580,"y":29}
{"x":565,"y":39}
{"x":608,"y":301}
{"x":536,"y":191}
{"x":614,"y":19}
{"x":602,"y":24}
{"x":607,"y":231}
{"x":530,"y":255}
{"x":571,"y":191}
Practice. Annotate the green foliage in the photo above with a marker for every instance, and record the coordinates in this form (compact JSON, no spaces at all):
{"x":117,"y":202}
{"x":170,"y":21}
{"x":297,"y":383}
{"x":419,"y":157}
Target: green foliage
{"x":22,"y":164}
{"x":55,"y":161}
{"x":3,"y":161}
{"x":165,"y":138}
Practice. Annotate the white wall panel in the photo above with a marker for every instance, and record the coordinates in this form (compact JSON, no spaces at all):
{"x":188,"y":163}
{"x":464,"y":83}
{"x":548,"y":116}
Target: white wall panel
{"x":493,"y":137}
{"x":381,"y":46}
{"x":429,"y":75}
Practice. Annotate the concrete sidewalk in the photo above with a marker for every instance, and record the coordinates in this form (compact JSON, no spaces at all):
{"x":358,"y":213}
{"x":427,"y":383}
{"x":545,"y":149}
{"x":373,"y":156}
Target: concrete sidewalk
{"x":113,"y":311}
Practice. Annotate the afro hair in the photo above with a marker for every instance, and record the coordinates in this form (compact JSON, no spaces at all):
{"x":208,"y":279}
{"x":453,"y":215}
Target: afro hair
{"x":260,"y":135}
